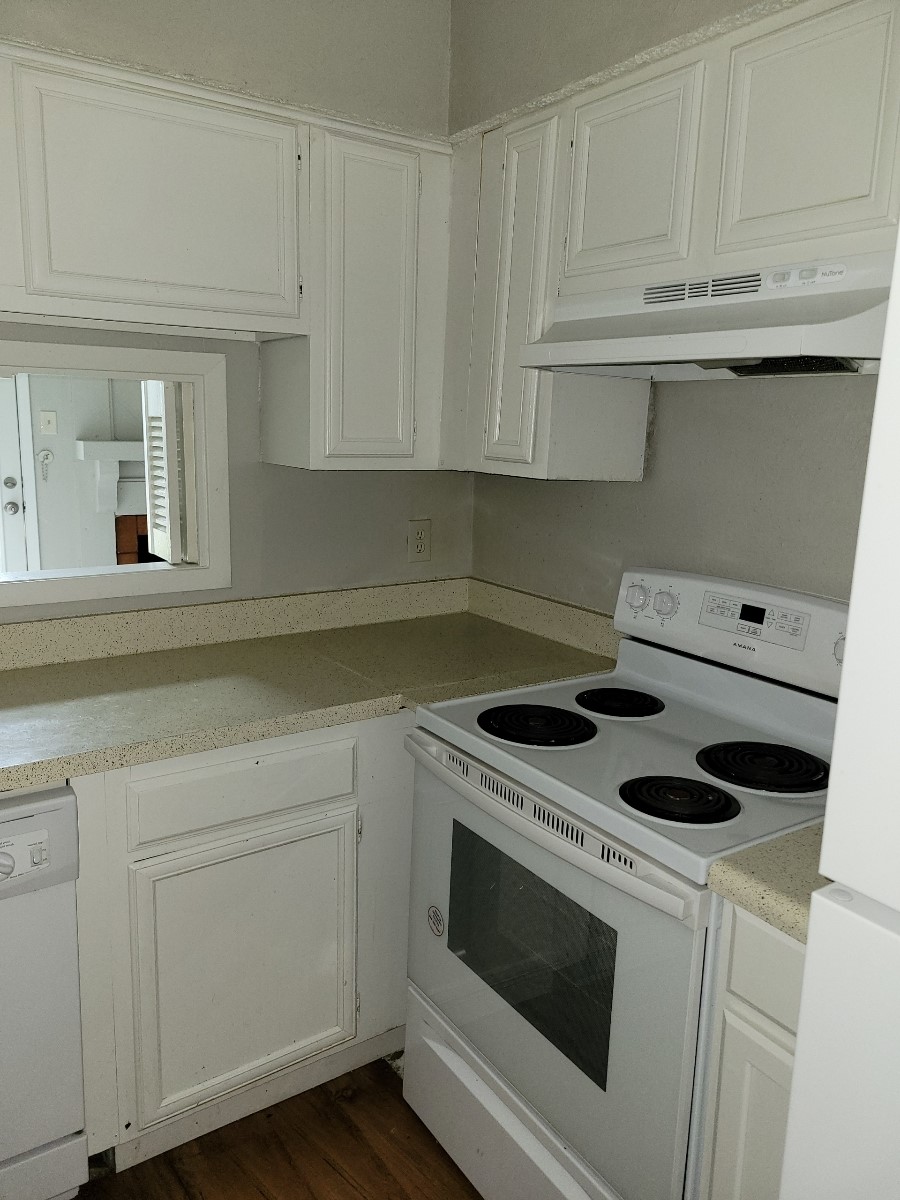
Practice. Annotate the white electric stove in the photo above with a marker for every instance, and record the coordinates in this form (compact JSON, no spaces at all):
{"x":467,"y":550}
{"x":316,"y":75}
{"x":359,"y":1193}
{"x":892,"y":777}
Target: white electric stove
{"x":561,"y":930}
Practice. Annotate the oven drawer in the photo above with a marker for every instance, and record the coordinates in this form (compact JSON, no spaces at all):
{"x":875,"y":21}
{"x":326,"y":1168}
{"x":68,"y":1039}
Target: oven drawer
{"x":766,"y":968}
{"x":493,"y":1136}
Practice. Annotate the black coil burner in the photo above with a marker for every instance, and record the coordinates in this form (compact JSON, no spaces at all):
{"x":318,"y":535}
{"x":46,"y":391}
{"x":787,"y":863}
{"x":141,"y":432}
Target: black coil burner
{"x":765,"y":767}
{"x":674,"y":799}
{"x":536,"y":725}
{"x":620,"y":702}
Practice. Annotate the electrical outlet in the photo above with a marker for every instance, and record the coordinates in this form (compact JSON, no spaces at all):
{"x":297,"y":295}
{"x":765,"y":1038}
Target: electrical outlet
{"x":418,"y":541}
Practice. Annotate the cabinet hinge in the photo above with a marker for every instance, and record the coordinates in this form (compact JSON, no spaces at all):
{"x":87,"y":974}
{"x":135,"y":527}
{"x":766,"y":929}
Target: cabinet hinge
{"x":420,"y":183}
{"x":357,"y":1003}
{"x":300,"y":286}
{"x":299,"y":160}
{"x":415,"y":429}
{"x":359,"y":829}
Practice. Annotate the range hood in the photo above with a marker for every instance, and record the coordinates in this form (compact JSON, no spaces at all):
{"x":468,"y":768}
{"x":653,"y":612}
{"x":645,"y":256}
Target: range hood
{"x":802,"y":318}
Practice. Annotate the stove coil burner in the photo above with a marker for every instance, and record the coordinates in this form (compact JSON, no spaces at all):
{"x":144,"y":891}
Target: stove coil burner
{"x":764,"y":767}
{"x":536,"y":725}
{"x":687,"y":801}
{"x":620,"y":702}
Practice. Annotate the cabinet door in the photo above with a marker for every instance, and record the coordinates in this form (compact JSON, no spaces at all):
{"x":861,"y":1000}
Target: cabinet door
{"x":511,"y":290}
{"x":243,"y":957}
{"x":633,"y":164}
{"x":134,"y":194}
{"x":812,"y":129}
{"x":754,"y":1087}
{"x":371,"y":195}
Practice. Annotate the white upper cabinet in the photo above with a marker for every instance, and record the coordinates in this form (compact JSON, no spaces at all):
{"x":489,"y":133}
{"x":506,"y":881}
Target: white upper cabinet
{"x":812,"y":128}
{"x":370,"y":233}
{"x":141,"y":203}
{"x":633,"y":163}
{"x":518,"y":422}
{"x":513,"y":260}
{"x":771,"y":145}
{"x":363,"y":392}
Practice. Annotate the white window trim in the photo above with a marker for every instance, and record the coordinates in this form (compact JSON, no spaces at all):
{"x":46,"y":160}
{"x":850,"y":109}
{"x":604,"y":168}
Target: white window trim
{"x":207,"y":373}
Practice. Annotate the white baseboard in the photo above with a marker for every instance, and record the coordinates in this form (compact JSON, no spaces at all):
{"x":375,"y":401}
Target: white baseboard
{"x":186,"y":1126}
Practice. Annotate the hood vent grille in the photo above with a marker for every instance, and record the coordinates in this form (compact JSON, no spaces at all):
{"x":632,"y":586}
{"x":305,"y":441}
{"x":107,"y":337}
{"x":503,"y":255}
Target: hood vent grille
{"x":703,"y":289}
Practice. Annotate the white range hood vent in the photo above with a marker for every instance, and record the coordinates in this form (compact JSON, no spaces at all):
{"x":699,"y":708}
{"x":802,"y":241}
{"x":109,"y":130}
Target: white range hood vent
{"x":796,"y":319}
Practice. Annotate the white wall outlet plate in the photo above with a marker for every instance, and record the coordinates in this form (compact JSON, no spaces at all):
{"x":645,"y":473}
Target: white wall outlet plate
{"x":418,"y":541}
{"x":48,"y":422}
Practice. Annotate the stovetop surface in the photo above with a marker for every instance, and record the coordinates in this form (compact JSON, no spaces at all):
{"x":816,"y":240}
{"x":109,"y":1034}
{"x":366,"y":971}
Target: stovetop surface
{"x":704,"y":704}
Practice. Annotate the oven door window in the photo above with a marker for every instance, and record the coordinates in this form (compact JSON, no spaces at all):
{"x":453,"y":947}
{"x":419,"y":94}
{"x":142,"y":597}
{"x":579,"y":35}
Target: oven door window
{"x":550,"y":959}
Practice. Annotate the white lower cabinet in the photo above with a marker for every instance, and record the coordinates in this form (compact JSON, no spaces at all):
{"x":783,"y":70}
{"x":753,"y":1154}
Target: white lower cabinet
{"x":249,"y":933}
{"x":752,"y":1060}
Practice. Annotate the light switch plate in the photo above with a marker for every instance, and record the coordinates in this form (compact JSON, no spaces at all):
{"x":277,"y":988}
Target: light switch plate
{"x":48,"y":422}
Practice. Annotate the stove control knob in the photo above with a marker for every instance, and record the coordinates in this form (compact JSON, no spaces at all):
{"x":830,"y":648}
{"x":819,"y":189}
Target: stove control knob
{"x":839,"y":649}
{"x":664,"y":604}
{"x":7,"y":865}
{"x":637,"y":596}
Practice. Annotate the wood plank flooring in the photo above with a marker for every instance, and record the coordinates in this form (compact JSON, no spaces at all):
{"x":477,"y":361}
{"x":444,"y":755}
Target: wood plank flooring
{"x":351,"y":1139}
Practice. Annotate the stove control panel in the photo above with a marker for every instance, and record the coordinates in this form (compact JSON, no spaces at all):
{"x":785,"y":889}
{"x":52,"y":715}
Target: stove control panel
{"x":771,"y":623}
{"x":778,"y":634}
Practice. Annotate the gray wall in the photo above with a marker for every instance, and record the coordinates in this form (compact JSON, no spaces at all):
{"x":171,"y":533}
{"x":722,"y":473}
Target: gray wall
{"x":758,"y":480}
{"x":381,"y":61}
{"x":292,"y":530}
{"x":505,"y":53}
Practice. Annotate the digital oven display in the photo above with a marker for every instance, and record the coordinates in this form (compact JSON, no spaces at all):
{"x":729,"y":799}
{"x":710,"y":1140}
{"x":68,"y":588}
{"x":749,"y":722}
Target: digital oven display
{"x":753,"y":614}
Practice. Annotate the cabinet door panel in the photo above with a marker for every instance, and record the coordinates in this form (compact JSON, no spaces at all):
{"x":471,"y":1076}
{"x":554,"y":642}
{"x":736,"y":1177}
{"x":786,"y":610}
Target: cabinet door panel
{"x":526,"y":165}
{"x":754,"y":1088}
{"x":812,"y":127}
{"x":139,"y":196}
{"x":633,"y":166}
{"x":218,"y":1005}
{"x":371,"y":213}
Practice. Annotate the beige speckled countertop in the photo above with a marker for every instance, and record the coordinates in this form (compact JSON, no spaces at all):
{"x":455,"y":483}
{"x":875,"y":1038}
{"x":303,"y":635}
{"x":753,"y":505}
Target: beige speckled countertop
{"x":78,"y":718}
{"x":775,"y":880}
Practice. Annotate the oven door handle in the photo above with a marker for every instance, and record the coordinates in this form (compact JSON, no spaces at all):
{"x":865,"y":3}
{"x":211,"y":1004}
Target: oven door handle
{"x":679,"y":900}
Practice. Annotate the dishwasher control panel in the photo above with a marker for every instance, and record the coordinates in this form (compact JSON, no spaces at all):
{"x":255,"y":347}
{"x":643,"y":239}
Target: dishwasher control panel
{"x":22,"y":853}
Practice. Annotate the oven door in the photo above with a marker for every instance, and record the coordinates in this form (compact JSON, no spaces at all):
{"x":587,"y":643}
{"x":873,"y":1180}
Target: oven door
{"x":574,"y":980}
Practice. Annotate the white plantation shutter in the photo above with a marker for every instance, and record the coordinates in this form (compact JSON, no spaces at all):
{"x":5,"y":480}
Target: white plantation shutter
{"x":161,"y":449}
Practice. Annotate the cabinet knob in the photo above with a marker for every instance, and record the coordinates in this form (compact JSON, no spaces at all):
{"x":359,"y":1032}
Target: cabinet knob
{"x":11,"y":507}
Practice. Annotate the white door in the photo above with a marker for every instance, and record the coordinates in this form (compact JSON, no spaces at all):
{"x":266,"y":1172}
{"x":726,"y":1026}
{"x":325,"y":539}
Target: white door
{"x":370,"y":228}
{"x":146,"y":196}
{"x":754,"y":1085}
{"x":844,"y":1109}
{"x":13,"y":547}
{"x":812,"y":129}
{"x":634,"y":159}
{"x":509,"y":404}
{"x":244,"y":953}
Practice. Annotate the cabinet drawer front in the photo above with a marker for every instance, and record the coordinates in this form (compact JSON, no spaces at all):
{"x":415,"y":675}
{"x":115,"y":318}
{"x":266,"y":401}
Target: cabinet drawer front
{"x":243,"y":956}
{"x":138,"y":195}
{"x":188,"y":802}
{"x":633,"y":165}
{"x":812,"y":129}
{"x":766,"y":969}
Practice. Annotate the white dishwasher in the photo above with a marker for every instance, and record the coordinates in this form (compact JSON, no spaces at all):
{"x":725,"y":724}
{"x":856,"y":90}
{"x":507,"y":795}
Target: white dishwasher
{"x":43,"y":1148}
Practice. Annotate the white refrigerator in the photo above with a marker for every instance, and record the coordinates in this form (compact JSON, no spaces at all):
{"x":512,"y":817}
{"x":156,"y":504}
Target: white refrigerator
{"x":843,"y":1139}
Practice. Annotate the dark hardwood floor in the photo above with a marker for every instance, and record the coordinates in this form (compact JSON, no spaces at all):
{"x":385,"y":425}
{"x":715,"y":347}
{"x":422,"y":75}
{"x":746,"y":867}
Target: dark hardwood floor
{"x":351,"y":1139}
